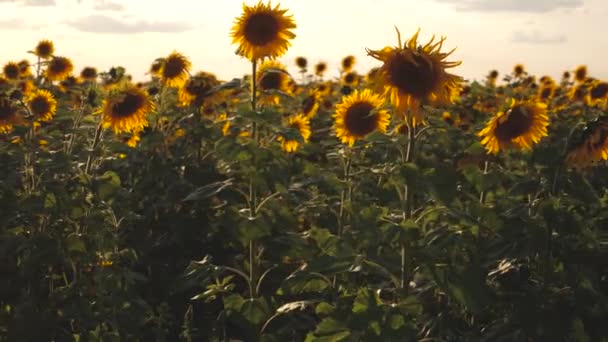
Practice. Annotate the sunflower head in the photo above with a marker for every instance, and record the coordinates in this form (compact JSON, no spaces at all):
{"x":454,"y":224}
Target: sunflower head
{"x":580,"y":73}
{"x":519,"y":70}
{"x":125,"y":110}
{"x":26,"y":87}
{"x":546,"y":92}
{"x":598,"y":93}
{"x":197,"y":89}
{"x":589,"y":145}
{"x":24,"y":69}
{"x":11,"y":71}
{"x":347,"y":63}
{"x":299,"y":131}
{"x":156,"y":67}
{"x":350,"y":79}
{"x":358,"y":115}
{"x":59,"y":68}
{"x":88,"y":74}
{"x":273,"y":77}
{"x":320,"y":68}
{"x":413,"y":74}
{"x":262,"y":32}
{"x":493,"y":74}
{"x":566,"y":76}
{"x":578,"y":93}
{"x":175,"y":70}
{"x":42,"y":105}
{"x":310,"y":105}
{"x":44,"y":49}
{"x":9,"y":115}
{"x":521,"y":126}
{"x":302,"y":63}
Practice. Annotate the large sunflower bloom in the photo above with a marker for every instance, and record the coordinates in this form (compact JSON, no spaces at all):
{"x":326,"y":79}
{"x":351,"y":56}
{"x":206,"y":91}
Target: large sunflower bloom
{"x":42,"y":105}
{"x":59,"y":68}
{"x":262,"y":31}
{"x":590,"y":145}
{"x":521,"y":126}
{"x":126,"y":110}
{"x":358,"y":115}
{"x":413,"y":74}
{"x":175,"y":70}
{"x":44,"y":49}
{"x":272,"y":76}
{"x":9,"y":115}
{"x":300,"y":124}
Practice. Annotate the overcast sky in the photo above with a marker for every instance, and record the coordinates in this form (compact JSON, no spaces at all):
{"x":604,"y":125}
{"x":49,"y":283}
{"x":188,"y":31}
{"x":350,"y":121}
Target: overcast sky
{"x":547,"y":36}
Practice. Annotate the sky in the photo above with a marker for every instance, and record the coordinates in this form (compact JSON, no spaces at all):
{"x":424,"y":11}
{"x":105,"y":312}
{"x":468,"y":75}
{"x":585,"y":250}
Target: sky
{"x":547,"y":36}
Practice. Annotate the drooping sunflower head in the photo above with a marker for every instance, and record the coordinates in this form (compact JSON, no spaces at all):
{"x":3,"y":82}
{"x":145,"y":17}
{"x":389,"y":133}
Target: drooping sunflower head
{"x":88,"y":74}
{"x":521,"y":126}
{"x":358,"y":115}
{"x":310,"y":105}
{"x":580,"y":73}
{"x":42,"y":105}
{"x":589,"y":145}
{"x":44,"y":49}
{"x":413,"y":74}
{"x":262,"y":32}
{"x":9,"y":115}
{"x":302,"y":63}
{"x":156,"y":67}
{"x":493,"y":74}
{"x":175,"y":70}
{"x":11,"y":71}
{"x":299,"y":131}
{"x":320,"y":68}
{"x":272,"y":77}
{"x":578,"y":93}
{"x":59,"y":68}
{"x":519,"y":70}
{"x":546,"y":92}
{"x":24,"y":68}
{"x":125,"y":110}
{"x":197,"y":89}
{"x":347,"y":63}
{"x":598,"y":93}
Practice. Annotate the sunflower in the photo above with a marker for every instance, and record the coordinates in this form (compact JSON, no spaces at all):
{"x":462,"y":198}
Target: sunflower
{"x":302,"y":63}
{"x":197,"y":89}
{"x":347,"y":63}
{"x":88,"y":74}
{"x":9,"y":115}
{"x":175,"y":70}
{"x":59,"y":68}
{"x":125,"y":110}
{"x":299,"y":125}
{"x":519,"y":70}
{"x":358,"y":115}
{"x":546,"y":92}
{"x":262,"y":31}
{"x":580,"y":73}
{"x":598,"y":94}
{"x":310,"y":105}
{"x":412,"y":74}
{"x":578,"y":93}
{"x":11,"y":71}
{"x":320,"y":69}
{"x":350,"y":79}
{"x":589,"y":145}
{"x":156,"y":66}
{"x":42,"y":105}
{"x":26,"y":87}
{"x":491,"y":78}
{"x":272,"y":76}
{"x":522,"y":125}
{"x":24,"y":69}
{"x":566,"y":76}
{"x":44,"y":49}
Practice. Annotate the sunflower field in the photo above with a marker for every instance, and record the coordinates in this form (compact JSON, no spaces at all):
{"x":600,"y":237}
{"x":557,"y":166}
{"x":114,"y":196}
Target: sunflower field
{"x":402,"y":204}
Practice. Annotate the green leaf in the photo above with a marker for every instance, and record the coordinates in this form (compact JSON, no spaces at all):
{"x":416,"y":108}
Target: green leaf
{"x":75,"y":243}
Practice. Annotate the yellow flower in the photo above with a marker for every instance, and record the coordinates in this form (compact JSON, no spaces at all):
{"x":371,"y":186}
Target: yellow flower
{"x":9,"y":115}
{"x":519,"y":70}
{"x":59,"y":68}
{"x":320,"y":68}
{"x":413,"y":74}
{"x":347,"y":63}
{"x":44,"y":49}
{"x":302,"y":63}
{"x":310,"y":105}
{"x":125,"y":110}
{"x":175,"y":70}
{"x":11,"y":71}
{"x":589,"y":145}
{"x":262,"y":32}
{"x":358,"y":115}
{"x":521,"y":126}
{"x":272,"y":77}
{"x":546,"y":92}
{"x":297,"y":123}
{"x":197,"y":89}
{"x":580,"y":73}
{"x":88,"y":74}
{"x":133,"y":140}
{"x":26,"y":86}
{"x":598,"y":93}
{"x":350,"y":79}
{"x":42,"y":105}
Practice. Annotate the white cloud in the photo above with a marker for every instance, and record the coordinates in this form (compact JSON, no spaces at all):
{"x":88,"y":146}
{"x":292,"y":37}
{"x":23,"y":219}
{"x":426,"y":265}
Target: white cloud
{"x":513,"y":5}
{"x":105,"y":24}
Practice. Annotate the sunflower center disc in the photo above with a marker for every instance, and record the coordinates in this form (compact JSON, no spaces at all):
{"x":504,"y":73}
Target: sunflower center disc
{"x":599,"y":91}
{"x":416,"y":78}
{"x":261,"y":29}
{"x":270,"y":80}
{"x":130,"y":104}
{"x":173,"y":68}
{"x":40,"y":106}
{"x":11,"y":71}
{"x":359,"y":120}
{"x":518,"y":123}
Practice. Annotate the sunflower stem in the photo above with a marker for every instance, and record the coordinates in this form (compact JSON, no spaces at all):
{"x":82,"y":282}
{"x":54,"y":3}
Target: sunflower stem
{"x":96,"y":141}
{"x":252,"y":191}
{"x":482,"y":195}
{"x":407,"y":197}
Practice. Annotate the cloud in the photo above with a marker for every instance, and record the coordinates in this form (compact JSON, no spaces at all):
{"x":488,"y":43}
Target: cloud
{"x":108,"y":6}
{"x":536,"y":37}
{"x":105,"y":24}
{"x":538,"y":6}
{"x":32,"y":3}
{"x":12,"y":24}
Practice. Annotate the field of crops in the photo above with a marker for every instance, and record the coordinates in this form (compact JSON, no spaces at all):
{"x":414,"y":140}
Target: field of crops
{"x":400,"y":204}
